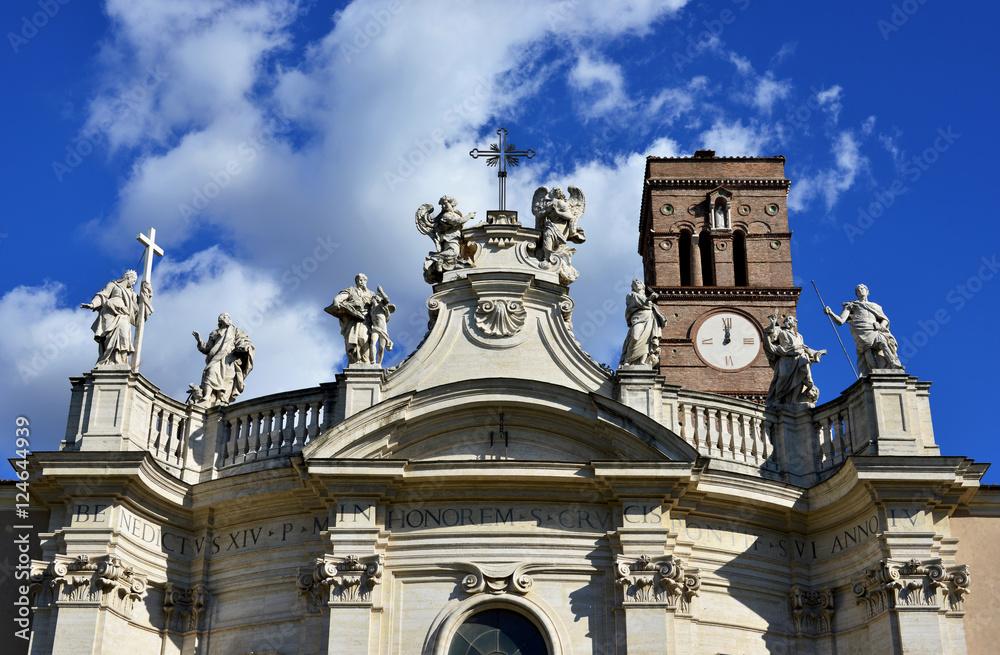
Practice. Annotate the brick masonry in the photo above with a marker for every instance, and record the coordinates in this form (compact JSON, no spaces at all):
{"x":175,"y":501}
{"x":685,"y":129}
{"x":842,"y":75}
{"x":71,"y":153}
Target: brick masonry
{"x":677,"y":194}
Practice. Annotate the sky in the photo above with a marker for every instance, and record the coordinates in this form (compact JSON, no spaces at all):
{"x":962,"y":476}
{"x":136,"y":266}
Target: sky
{"x":279,"y":147}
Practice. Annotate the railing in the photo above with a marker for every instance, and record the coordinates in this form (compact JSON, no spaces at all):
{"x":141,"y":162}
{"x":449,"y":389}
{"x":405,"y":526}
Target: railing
{"x":833,"y":432}
{"x":725,"y":428}
{"x":169,"y":431}
{"x":271,"y":426}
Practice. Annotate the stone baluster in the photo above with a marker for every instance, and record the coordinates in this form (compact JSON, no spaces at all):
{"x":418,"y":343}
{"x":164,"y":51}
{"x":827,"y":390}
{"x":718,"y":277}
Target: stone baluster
{"x":744,"y":434}
{"x":253,"y":435}
{"x":699,"y":426}
{"x":288,"y":433}
{"x":303,"y":427}
{"x":314,"y":421}
{"x":240,"y":428}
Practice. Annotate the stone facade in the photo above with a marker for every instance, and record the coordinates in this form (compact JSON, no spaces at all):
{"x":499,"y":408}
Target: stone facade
{"x":500,"y":474}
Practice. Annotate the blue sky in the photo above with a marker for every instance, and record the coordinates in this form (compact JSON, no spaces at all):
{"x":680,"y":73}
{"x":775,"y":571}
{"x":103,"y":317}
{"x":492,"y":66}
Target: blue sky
{"x":280,"y":147}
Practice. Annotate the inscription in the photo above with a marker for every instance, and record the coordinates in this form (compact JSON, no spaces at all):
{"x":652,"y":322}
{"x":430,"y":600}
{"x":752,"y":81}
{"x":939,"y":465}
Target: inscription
{"x":731,"y":537}
{"x":575,"y":518}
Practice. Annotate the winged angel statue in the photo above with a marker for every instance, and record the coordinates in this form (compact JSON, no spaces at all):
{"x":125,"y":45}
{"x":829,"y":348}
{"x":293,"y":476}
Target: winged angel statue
{"x":445,"y":230}
{"x":556,"y":217}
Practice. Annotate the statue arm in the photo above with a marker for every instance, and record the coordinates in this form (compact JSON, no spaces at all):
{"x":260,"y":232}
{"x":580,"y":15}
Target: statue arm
{"x":844,"y":315}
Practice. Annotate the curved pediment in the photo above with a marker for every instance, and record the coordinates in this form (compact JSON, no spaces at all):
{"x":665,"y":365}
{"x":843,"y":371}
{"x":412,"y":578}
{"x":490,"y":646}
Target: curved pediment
{"x":541,"y":422}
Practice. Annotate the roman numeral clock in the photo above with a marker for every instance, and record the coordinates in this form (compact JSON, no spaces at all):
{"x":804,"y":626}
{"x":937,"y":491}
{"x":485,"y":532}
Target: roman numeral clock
{"x":714,"y":241}
{"x":727,"y":341}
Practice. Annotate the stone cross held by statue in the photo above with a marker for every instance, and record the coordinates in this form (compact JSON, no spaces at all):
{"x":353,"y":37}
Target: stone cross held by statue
{"x":147,"y":271}
{"x":501,"y":155}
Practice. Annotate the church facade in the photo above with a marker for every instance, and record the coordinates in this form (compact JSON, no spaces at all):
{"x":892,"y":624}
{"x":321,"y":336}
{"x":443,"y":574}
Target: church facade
{"x":500,"y":492}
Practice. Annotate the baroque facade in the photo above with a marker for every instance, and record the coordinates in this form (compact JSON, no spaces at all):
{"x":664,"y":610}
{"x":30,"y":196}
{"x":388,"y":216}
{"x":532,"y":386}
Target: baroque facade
{"x":501,"y":492}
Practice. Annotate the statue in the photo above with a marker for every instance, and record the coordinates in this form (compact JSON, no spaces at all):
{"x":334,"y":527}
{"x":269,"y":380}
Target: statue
{"x":378,"y":338}
{"x":363,"y":317}
{"x":792,"y":383}
{"x":445,"y":230}
{"x":721,"y":215}
{"x":556,"y":217}
{"x":870,"y":328}
{"x":228,"y":361}
{"x":119,"y":308}
{"x":645,"y":321}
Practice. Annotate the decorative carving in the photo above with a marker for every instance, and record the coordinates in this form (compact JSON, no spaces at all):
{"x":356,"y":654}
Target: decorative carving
{"x":744,"y":210}
{"x":445,"y":230}
{"x":556,"y":217}
{"x":645,"y":321}
{"x":875,"y":345}
{"x":791,"y":359}
{"x":775,"y":245}
{"x":566,"y":310}
{"x":350,"y":580}
{"x":228,"y":360}
{"x":772,"y":209}
{"x":812,"y":611}
{"x":184,"y":608}
{"x":500,"y":318}
{"x":667,"y":209}
{"x":364,"y":316}
{"x":892,"y":585}
{"x":104,"y":580}
{"x":666,"y":244}
{"x":721,"y":245}
{"x":663,"y":581}
{"x":497,"y":580}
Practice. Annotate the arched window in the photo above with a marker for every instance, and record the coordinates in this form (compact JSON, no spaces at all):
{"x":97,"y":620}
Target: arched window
{"x":707,"y":259}
{"x":684,"y":257}
{"x":498,"y":632}
{"x":740,"y":259}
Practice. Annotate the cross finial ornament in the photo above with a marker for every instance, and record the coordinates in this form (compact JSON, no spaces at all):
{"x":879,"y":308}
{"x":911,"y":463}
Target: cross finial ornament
{"x":147,"y":270}
{"x":501,"y":155}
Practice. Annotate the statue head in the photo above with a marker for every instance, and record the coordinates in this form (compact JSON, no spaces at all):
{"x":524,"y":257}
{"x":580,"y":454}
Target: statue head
{"x":447,"y":202}
{"x":638,"y":286}
{"x":130,"y":277}
{"x":861,"y":291}
{"x":224,"y":320}
{"x":361,"y":280}
{"x":791,"y":323}
{"x":558,"y":194}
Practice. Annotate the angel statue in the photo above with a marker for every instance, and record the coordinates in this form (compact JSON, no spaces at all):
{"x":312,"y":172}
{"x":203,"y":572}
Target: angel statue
{"x":556,"y":217}
{"x":445,"y":230}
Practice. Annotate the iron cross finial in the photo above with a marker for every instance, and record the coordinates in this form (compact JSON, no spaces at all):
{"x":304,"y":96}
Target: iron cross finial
{"x":501,"y":155}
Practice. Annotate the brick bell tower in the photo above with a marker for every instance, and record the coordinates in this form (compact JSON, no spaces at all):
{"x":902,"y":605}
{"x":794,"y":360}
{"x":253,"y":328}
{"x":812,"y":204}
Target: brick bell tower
{"x":714,"y":241}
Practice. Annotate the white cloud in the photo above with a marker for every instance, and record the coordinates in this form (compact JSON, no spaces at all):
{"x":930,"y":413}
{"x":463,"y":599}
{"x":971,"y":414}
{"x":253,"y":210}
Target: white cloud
{"x":671,"y":103}
{"x":829,"y":101}
{"x":733,"y":139}
{"x":831,"y":182}
{"x":769,"y":90}
{"x":600,"y":85}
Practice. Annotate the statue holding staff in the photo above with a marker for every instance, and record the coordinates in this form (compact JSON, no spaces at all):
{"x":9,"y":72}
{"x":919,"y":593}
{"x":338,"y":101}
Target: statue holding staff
{"x":870,"y":328}
{"x":118,"y":308}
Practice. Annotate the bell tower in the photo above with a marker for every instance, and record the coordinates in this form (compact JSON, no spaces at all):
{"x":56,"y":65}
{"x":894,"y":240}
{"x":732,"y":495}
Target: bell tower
{"x":714,"y":241}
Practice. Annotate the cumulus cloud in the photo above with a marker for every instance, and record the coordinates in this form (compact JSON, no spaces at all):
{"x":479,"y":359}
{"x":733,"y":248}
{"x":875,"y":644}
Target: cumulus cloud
{"x":831,"y":182}
{"x":733,"y":139}
{"x":769,"y":90}
{"x":600,"y":85}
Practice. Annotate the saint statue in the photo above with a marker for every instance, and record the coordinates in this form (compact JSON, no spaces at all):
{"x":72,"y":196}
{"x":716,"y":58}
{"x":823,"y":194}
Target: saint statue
{"x":645,"y":325}
{"x":228,"y":360}
{"x":790,"y":358}
{"x":556,"y":217}
{"x":363,"y":317}
{"x":870,"y":328}
{"x":119,"y":308}
{"x":445,"y":230}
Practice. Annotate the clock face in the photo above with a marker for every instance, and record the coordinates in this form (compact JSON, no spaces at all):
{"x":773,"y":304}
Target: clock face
{"x":728,"y":341}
